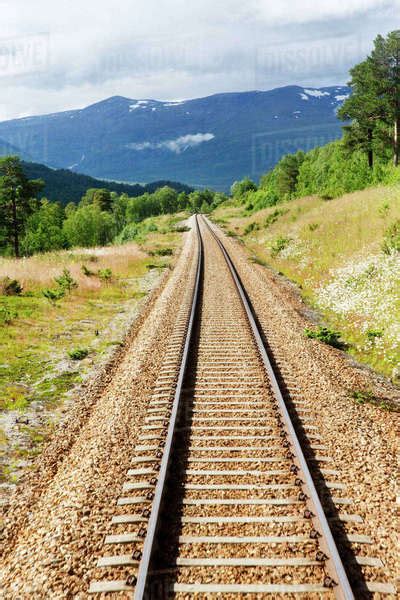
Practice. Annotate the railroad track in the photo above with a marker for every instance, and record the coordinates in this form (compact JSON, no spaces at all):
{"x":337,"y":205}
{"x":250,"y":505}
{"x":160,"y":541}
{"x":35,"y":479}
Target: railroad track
{"x":220,"y":500}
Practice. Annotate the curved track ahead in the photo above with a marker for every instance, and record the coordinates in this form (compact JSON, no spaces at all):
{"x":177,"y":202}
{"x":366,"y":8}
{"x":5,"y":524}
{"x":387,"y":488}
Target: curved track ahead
{"x":223,"y":500}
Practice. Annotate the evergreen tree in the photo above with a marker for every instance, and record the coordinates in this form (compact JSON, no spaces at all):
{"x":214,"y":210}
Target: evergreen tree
{"x":287,"y":174}
{"x":374,"y":105}
{"x":99,"y":197}
{"x":17,"y":199}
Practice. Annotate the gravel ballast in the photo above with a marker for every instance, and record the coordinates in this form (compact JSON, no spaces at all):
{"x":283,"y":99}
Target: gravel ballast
{"x":361,"y":439}
{"x":56,"y":522}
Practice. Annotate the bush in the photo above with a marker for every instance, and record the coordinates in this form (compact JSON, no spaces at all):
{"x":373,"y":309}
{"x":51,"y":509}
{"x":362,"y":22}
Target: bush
{"x":391,"y":242}
{"x":10,"y":287}
{"x":105,"y":274}
{"x":372,"y":334}
{"x":53,"y":294}
{"x":66,"y":281}
{"x":280,"y":244}
{"x":361,"y":397}
{"x":162,"y":252}
{"x":326,"y":335}
{"x":251,"y":227}
{"x":274,"y":216}
{"x":78,"y":353}
{"x":7,"y":315}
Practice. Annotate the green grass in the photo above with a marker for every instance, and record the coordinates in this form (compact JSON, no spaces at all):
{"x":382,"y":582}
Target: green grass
{"x":35,"y":345}
{"x":317,"y":245}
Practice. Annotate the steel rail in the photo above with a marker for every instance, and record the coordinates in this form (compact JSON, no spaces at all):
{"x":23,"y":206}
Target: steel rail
{"x":151,"y":534}
{"x":336,"y":574}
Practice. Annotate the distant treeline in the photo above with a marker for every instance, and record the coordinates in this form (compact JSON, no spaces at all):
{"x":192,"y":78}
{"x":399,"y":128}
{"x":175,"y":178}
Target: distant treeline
{"x":66,"y":186}
{"x":329,"y":171}
{"x":30,"y":225}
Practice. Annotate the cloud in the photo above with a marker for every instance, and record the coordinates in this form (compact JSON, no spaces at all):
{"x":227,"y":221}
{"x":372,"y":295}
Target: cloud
{"x":66,"y":54}
{"x":178,"y":145}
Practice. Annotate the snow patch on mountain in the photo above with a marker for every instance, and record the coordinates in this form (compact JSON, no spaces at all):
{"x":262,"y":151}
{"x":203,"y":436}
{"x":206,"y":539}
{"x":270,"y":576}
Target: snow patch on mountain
{"x":138,"y":104}
{"x":177,"y":145}
{"x":177,"y":103}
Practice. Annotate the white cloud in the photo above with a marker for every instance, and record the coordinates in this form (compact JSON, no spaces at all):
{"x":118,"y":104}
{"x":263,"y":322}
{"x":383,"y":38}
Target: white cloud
{"x":66,"y":54}
{"x":316,"y":93}
{"x":178,"y":145}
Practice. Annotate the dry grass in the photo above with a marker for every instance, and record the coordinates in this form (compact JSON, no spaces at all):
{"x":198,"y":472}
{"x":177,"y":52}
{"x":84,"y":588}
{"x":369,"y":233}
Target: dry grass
{"x":333,"y":251}
{"x":35,"y":345}
{"x":39,"y":271}
{"x":323,"y":234}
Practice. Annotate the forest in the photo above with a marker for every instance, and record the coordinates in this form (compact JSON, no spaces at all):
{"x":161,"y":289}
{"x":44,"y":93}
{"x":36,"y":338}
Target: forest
{"x":30,"y":224}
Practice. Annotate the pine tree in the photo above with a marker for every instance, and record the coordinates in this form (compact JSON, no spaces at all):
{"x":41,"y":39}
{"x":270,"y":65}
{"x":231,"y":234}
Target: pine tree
{"x":374,"y":105}
{"x":17,"y":199}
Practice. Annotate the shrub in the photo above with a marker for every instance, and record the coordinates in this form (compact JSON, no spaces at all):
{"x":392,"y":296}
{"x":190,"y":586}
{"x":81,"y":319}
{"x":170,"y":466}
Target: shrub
{"x":251,"y":227}
{"x":326,"y":335}
{"x":66,"y":281}
{"x":279,"y":244}
{"x":105,"y":274}
{"x":313,"y":226}
{"x":391,"y":242}
{"x":182,"y":228}
{"x":274,"y":216}
{"x":372,"y":334}
{"x":7,"y":315}
{"x":87,"y":271}
{"x":78,"y":353}
{"x":362,"y":396}
{"x":10,"y":287}
{"x":53,"y":294}
{"x":163,"y":252}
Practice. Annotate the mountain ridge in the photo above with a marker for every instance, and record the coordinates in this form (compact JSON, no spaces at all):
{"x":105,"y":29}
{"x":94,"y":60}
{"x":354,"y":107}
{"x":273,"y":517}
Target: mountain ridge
{"x":66,"y":186}
{"x":208,"y":141}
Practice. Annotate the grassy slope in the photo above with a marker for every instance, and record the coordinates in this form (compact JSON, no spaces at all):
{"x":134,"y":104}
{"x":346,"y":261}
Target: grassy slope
{"x":332,"y":250}
{"x":34,"y":346}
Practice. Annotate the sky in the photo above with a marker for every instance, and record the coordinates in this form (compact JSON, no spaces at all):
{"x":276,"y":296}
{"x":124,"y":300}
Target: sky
{"x":62,"y":54}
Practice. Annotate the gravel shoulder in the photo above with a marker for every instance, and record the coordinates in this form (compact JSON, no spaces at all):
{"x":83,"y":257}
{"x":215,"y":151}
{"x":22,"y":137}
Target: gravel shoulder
{"x":55,"y":525}
{"x":362,"y":439}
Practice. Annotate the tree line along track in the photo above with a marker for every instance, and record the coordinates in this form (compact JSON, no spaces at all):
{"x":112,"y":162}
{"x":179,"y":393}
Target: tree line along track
{"x":220,"y":498}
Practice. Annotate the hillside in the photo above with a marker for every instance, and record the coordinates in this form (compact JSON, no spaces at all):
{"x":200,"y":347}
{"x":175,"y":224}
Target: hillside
{"x":66,"y":186}
{"x":209,"y":141}
{"x":333,"y":251}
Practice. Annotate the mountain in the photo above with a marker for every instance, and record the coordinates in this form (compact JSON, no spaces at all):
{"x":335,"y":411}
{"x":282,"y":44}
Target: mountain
{"x":66,"y":186}
{"x":6,"y":149}
{"x":208,"y":141}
